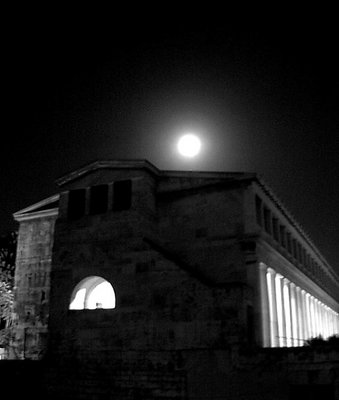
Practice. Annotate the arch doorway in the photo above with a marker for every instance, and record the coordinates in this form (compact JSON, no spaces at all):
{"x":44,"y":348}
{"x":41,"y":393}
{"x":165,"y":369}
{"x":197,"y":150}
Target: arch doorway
{"x":93,"y":292}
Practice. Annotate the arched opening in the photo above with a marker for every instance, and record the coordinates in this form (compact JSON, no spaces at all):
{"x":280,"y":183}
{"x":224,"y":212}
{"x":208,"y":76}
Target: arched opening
{"x":92,"y":293}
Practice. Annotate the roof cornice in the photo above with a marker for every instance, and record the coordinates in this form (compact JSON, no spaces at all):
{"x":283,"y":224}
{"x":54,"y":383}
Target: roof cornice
{"x":53,"y":212}
{"x":108,"y":164}
{"x":34,"y":212}
{"x":290,"y":217}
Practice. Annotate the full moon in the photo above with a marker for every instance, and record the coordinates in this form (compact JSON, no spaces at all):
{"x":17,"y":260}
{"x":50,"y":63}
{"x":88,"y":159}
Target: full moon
{"x":189,"y":145}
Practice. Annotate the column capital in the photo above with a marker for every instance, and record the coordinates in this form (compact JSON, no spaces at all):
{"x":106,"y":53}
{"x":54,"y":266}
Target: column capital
{"x":263,"y":266}
{"x":271,"y":271}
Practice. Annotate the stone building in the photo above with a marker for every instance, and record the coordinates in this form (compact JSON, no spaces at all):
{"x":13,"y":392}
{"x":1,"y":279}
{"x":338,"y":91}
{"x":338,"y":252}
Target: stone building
{"x":164,"y":284}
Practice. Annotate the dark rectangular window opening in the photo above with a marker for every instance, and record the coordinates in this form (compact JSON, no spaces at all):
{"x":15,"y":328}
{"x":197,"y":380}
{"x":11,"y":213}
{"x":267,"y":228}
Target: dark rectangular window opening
{"x":295,"y":249}
{"x":282,"y":236}
{"x":267,"y":220}
{"x":98,"y":199}
{"x":76,"y":203}
{"x":312,"y":265}
{"x":299,"y":258}
{"x":303,"y":257}
{"x":275,"y":229}
{"x":258,"y":210}
{"x":289,"y":242}
{"x":122,"y":195}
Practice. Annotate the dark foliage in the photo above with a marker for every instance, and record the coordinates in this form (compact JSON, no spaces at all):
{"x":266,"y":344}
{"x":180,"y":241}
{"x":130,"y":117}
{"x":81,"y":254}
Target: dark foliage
{"x":8,"y":244}
{"x":318,"y":342}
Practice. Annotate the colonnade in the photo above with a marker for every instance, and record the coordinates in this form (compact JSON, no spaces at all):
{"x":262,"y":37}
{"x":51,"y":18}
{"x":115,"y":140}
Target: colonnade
{"x":292,"y":315}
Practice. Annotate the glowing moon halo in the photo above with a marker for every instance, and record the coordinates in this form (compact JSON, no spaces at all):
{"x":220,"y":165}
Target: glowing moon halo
{"x":189,"y":145}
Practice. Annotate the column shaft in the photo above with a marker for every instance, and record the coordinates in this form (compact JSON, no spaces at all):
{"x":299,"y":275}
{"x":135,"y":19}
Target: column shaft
{"x":294,"y":314}
{"x":305,"y":316}
{"x":280,"y":310}
{"x":264,"y":300}
{"x":270,"y":277}
{"x":287,"y":311}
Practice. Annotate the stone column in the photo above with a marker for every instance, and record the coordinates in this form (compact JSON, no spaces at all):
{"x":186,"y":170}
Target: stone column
{"x":280,"y":310}
{"x":317,"y":317}
{"x":270,"y":278}
{"x":332,"y":323}
{"x":318,"y":312}
{"x":300,"y":316}
{"x":327,"y":330}
{"x":264,"y":300}
{"x":287,"y":311}
{"x":308,"y":316}
{"x":294,"y":314}
{"x":312,"y":311}
{"x":322,"y":319}
{"x":304,"y":315}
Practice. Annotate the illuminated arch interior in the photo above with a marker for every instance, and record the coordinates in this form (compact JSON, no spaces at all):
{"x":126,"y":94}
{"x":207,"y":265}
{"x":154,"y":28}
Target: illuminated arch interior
{"x":92,"y":293}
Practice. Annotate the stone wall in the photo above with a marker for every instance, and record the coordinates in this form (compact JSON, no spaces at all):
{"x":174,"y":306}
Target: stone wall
{"x":280,"y":374}
{"x":159,"y":306}
{"x":165,"y":299}
{"x":32,"y":288}
{"x":206,"y":228}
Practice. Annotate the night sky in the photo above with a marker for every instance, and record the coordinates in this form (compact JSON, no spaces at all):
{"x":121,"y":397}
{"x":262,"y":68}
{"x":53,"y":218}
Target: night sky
{"x":262,"y":98}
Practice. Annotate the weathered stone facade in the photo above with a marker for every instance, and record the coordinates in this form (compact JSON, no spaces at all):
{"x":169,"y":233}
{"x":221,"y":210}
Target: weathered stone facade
{"x":32,"y":282}
{"x":185,"y":260}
